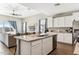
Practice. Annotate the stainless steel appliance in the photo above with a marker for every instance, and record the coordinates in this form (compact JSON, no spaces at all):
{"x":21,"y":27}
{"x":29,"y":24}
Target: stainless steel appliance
{"x":76,"y":34}
{"x":54,"y":42}
{"x":43,"y":26}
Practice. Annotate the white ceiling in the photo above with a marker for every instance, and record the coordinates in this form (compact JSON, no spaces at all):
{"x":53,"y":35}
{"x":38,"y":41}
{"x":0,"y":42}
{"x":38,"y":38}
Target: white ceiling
{"x":6,"y":9}
{"x":29,"y":9}
{"x":51,"y":9}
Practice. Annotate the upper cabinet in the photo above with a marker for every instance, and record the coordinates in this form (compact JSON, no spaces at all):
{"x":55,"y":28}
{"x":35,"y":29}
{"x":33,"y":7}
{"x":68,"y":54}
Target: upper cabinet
{"x":59,"y":22}
{"x":65,"y":21}
{"x":56,"y":22}
{"x":50,"y":22}
{"x":68,"y":21}
{"x":76,"y":16}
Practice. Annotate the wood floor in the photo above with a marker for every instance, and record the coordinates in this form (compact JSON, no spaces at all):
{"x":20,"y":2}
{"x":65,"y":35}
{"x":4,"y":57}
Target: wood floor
{"x":62,"y":49}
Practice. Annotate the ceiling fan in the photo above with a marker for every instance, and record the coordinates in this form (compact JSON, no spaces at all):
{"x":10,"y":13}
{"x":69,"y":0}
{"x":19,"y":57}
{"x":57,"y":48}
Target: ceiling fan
{"x":15,"y":14}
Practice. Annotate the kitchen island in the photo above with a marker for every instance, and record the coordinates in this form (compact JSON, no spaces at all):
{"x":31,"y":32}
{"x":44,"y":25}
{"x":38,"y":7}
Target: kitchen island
{"x":34,"y":44}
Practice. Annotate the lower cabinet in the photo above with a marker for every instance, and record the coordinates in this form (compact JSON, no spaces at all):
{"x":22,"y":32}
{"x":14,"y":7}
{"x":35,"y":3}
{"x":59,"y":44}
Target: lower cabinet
{"x":65,"y":38}
{"x":36,"y":50}
{"x":60,"y":37}
{"x":36,"y":47}
{"x":39,"y":47}
{"x":47,"y":45}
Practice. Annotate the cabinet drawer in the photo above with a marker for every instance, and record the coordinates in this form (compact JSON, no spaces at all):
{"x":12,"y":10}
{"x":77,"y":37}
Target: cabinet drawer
{"x":36,"y":50}
{"x":36,"y":42}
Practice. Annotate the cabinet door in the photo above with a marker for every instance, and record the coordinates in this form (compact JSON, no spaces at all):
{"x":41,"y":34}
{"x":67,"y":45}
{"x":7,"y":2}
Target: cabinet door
{"x":47,"y":45}
{"x":36,"y":50}
{"x":69,"y":21}
{"x":76,"y":16}
{"x":50,"y":22}
{"x":61,"y":21}
{"x":24,"y":47}
{"x":56,"y":22}
{"x":67,"y":38}
{"x":60,"y":37}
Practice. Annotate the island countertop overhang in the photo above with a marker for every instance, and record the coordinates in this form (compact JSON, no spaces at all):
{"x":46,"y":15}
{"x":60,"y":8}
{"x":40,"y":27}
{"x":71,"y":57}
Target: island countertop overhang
{"x":34,"y":37}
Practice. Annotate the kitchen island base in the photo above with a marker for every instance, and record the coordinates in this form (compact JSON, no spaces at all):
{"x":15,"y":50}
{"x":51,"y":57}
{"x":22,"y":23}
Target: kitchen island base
{"x":43,"y":46}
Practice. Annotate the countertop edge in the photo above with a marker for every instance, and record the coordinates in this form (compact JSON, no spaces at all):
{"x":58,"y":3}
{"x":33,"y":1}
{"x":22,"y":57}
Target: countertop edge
{"x":39,"y":38}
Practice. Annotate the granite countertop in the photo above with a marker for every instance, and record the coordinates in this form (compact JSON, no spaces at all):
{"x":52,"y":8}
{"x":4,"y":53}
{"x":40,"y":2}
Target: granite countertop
{"x":34,"y":37}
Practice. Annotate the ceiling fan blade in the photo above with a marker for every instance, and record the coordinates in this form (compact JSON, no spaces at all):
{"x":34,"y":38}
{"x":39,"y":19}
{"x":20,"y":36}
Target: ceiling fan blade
{"x":15,"y":14}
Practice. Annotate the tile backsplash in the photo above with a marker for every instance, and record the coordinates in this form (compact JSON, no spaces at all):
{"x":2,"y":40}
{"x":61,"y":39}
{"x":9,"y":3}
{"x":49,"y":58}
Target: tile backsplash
{"x":61,"y":29}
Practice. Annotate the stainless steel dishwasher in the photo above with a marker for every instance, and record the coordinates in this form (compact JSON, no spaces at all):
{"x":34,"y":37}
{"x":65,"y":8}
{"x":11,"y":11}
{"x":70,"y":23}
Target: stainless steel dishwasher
{"x":54,"y":42}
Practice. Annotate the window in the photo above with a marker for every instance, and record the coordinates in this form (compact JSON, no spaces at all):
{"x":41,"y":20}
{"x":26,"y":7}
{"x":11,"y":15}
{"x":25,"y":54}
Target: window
{"x":6,"y":26}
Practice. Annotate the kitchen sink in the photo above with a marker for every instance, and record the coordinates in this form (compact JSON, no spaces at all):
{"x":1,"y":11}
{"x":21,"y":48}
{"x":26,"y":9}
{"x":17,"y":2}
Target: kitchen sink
{"x":42,"y":35}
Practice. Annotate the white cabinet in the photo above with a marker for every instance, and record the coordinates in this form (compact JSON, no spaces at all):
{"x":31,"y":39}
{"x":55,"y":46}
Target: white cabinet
{"x":76,"y":16}
{"x":68,"y":21}
{"x":47,"y":45}
{"x":56,"y":20}
{"x":25,"y":48}
{"x":39,"y":47}
{"x":59,"y":22}
{"x":65,"y":21}
{"x":31,"y":48}
{"x":36,"y":50}
{"x":60,"y":37}
{"x":65,"y":38}
{"x":76,"y":25}
{"x":36,"y":47}
{"x":50,"y":22}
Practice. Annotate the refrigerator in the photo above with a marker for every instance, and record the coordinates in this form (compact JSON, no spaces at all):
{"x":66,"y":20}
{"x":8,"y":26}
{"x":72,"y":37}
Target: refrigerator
{"x":43,"y":26}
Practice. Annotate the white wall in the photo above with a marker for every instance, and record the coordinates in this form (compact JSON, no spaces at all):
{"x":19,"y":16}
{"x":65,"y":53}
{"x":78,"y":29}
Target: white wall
{"x":33,"y":20}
